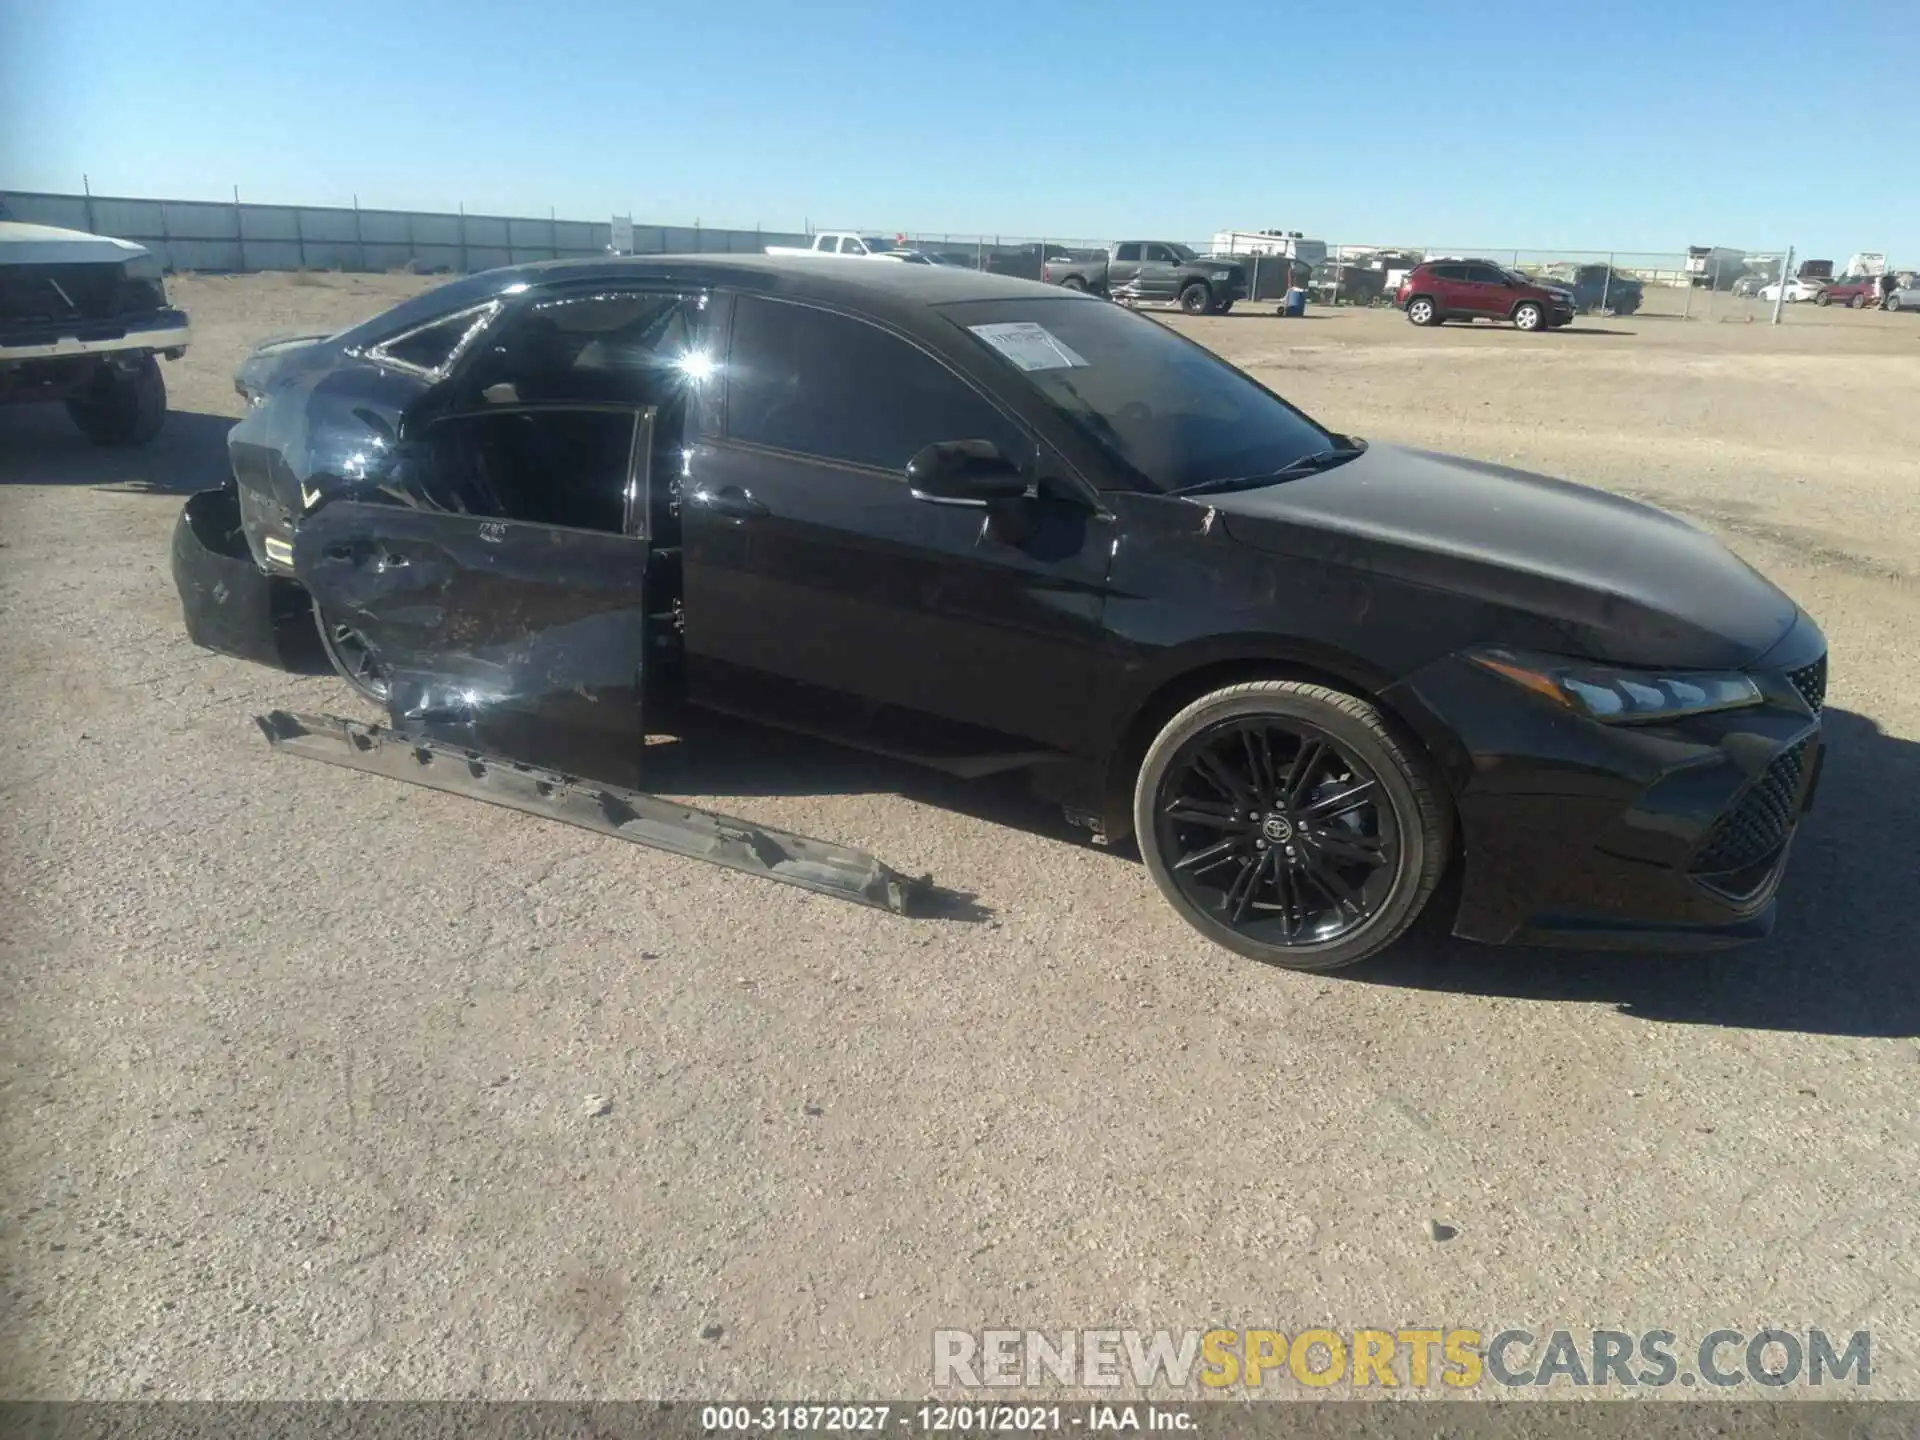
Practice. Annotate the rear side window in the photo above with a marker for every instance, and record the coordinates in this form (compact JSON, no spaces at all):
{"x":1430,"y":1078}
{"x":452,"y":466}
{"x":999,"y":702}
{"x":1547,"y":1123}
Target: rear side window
{"x":634,"y":347}
{"x":1127,"y":252}
{"x":840,"y":389}
{"x":1448,"y":272}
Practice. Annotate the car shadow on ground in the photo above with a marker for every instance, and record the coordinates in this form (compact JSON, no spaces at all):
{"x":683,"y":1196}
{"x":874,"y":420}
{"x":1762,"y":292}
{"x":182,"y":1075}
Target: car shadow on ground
{"x":1843,"y":958}
{"x":39,"y":445}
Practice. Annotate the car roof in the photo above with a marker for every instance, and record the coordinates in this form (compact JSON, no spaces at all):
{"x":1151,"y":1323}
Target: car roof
{"x":900,"y":294}
{"x":857,"y":283}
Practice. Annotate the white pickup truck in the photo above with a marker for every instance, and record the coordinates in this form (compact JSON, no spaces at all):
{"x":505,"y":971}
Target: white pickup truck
{"x":842,"y":243}
{"x":82,"y":319}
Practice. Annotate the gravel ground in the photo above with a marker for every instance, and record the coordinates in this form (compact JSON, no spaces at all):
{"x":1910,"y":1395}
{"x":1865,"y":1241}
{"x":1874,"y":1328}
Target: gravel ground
{"x":297,"y":1063}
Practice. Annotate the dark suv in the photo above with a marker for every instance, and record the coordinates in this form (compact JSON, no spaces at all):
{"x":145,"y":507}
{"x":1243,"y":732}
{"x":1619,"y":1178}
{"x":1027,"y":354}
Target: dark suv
{"x":1442,"y":290}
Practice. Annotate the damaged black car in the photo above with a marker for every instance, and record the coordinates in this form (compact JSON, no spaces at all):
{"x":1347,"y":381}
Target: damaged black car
{"x":987,"y":525}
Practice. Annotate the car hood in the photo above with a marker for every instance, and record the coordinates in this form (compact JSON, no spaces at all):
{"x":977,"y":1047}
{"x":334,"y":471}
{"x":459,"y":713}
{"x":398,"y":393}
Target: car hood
{"x":24,"y":244}
{"x":1619,"y":580}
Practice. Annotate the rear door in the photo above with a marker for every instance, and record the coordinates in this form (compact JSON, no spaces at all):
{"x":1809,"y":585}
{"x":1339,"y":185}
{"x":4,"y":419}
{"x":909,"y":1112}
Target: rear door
{"x":1160,"y":273}
{"x":521,"y":639}
{"x":1125,"y":264}
{"x":504,"y":594}
{"x":1448,"y":284}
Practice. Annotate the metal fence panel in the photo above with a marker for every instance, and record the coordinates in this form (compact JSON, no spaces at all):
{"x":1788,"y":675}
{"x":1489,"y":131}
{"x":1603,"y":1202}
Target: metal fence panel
{"x":268,"y":222}
{"x":434,"y":229}
{"x":387,"y":227}
{"x":335,"y":226}
{"x":1720,"y":283}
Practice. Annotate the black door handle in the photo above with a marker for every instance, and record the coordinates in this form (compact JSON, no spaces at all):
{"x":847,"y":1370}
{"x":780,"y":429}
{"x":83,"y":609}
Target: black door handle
{"x":730,"y":500}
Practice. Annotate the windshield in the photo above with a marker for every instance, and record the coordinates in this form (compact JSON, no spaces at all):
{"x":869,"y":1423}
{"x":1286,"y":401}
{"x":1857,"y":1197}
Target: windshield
{"x":1169,"y":410}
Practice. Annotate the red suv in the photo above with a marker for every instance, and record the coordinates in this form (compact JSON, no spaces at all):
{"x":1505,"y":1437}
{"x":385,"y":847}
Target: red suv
{"x":1852,"y":290}
{"x":1442,"y":290}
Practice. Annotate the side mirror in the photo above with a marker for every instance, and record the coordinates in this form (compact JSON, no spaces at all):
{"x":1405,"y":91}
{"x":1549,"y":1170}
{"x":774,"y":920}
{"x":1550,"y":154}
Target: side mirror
{"x":964,"y":472}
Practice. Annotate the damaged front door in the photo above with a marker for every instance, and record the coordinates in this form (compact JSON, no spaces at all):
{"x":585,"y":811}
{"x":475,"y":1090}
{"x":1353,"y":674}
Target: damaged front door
{"x":509,"y":636}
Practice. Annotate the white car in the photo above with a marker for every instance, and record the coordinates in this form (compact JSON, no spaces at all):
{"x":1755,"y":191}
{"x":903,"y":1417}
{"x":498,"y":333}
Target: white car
{"x":1797,"y":290}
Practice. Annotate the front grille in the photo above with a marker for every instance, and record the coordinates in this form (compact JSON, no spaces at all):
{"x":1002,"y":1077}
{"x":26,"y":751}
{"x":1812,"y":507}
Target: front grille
{"x":1811,"y":682}
{"x":1758,"y":824}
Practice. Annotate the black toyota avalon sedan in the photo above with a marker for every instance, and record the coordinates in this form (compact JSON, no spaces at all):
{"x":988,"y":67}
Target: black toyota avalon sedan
{"x":990,"y":525}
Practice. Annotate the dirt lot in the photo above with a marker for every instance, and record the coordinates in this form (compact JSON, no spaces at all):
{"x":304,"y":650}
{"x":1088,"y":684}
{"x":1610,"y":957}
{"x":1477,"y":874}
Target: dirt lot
{"x":295,"y":1060}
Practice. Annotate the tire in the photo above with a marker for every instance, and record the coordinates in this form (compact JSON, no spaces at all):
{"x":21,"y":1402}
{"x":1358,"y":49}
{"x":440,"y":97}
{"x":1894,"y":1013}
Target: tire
{"x":1528,"y":316}
{"x":1196,"y":298}
{"x":1355,"y":878}
{"x":1422,"y":311}
{"x":1823,"y":298}
{"x":1856,"y":302}
{"x":1073,"y":282}
{"x":351,"y":657}
{"x":122,"y":406}
{"x":1893,"y":302}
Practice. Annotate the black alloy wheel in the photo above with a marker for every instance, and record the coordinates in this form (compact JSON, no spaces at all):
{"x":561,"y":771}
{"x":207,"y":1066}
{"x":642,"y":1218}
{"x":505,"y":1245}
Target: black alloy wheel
{"x":1290,"y":823}
{"x":1196,"y":299}
{"x":350,"y":654}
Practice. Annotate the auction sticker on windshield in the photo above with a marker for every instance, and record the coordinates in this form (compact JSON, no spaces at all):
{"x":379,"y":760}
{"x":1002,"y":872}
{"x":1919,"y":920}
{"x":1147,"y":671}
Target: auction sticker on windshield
{"x":1030,"y":346}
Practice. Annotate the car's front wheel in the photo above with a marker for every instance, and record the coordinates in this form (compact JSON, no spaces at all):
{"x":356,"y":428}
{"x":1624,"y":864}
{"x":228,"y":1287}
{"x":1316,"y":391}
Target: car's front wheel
{"x":1893,"y":302}
{"x":125,"y":404}
{"x":1421,"y":311}
{"x":350,"y":654}
{"x":1528,"y":316}
{"x":1291,"y":823}
{"x":1196,"y":299}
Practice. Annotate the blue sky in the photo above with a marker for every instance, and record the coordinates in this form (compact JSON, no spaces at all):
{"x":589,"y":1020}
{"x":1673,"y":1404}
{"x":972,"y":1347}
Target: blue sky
{"x":1632,"y":126}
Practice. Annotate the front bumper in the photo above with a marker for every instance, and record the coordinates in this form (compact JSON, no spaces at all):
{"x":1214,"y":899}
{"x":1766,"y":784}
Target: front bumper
{"x":164,"y":332}
{"x":1672,"y":836}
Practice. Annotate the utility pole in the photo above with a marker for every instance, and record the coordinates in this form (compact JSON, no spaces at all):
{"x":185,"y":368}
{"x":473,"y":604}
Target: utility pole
{"x":1780,"y":295}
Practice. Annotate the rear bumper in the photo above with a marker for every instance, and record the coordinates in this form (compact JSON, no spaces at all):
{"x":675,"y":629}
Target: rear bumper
{"x":1667,"y":837}
{"x":166,"y":332}
{"x":228,"y":603}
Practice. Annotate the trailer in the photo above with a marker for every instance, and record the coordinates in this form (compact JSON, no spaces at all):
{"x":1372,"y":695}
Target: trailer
{"x":1290,"y":243}
{"x":1715,"y":266}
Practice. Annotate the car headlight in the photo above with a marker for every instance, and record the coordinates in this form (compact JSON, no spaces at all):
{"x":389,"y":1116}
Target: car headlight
{"x":1618,"y":696}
